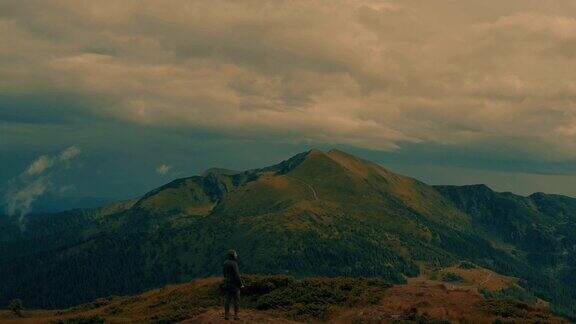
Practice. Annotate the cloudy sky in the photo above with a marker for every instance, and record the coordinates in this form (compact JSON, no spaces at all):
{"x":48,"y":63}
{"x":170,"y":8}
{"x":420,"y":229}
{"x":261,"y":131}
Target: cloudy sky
{"x":448,"y":91}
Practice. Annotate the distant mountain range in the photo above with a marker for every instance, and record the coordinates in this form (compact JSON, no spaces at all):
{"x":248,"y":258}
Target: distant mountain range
{"x":57,"y":203}
{"x":315,"y":214}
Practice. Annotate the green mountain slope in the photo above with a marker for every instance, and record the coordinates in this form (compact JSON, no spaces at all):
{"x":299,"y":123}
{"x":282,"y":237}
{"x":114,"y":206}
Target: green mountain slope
{"x":540,"y":230}
{"x":328,"y":214}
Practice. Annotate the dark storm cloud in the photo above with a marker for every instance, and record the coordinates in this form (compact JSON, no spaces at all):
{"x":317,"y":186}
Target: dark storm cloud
{"x":46,"y":108}
{"x":479,"y":84}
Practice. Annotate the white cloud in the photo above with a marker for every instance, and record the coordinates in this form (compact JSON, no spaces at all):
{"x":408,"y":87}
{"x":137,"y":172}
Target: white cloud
{"x":69,"y":153}
{"x":36,"y":181}
{"x":40,"y":165}
{"x":45,"y":162}
{"x":19,"y":200}
{"x":163,"y":169}
{"x":374,"y":74}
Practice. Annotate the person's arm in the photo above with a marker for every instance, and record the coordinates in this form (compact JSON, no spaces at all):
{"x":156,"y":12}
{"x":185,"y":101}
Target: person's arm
{"x":237,"y":275}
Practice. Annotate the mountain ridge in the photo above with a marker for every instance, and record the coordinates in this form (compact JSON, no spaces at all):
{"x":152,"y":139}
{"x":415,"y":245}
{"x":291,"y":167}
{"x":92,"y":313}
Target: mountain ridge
{"x":316,"y":213}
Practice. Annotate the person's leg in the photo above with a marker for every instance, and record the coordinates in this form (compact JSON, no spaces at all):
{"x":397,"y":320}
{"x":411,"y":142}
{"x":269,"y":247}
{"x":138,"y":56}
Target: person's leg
{"x":227,"y":304}
{"x":236,"y":302}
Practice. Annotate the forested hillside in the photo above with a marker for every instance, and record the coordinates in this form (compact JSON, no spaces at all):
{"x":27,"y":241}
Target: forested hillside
{"x":316,"y":214}
{"x":540,"y":230}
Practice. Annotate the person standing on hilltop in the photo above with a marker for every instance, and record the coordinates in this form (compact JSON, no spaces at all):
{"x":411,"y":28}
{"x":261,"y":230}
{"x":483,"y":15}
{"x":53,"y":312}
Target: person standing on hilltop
{"x":232,"y":285}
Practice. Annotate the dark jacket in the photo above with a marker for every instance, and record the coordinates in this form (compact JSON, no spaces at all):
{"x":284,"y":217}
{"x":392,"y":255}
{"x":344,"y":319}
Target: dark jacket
{"x":232,"y":275}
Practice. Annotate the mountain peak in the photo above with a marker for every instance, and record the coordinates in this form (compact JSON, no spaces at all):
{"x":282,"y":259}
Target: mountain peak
{"x":336,"y":151}
{"x":315,"y":151}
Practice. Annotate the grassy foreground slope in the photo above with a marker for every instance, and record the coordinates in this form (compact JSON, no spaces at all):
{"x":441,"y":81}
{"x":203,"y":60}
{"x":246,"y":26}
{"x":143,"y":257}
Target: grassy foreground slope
{"x":316,"y":214}
{"x":284,"y":299}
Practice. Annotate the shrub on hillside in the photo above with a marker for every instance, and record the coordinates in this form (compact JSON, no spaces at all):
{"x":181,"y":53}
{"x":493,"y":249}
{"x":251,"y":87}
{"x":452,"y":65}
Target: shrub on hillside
{"x":311,"y":297}
{"x":16,"y":306}
{"x":467,"y":265}
{"x":81,"y":320}
{"x":451,"y":277}
{"x":260,"y":285}
{"x":513,"y":292}
{"x":506,"y":308}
